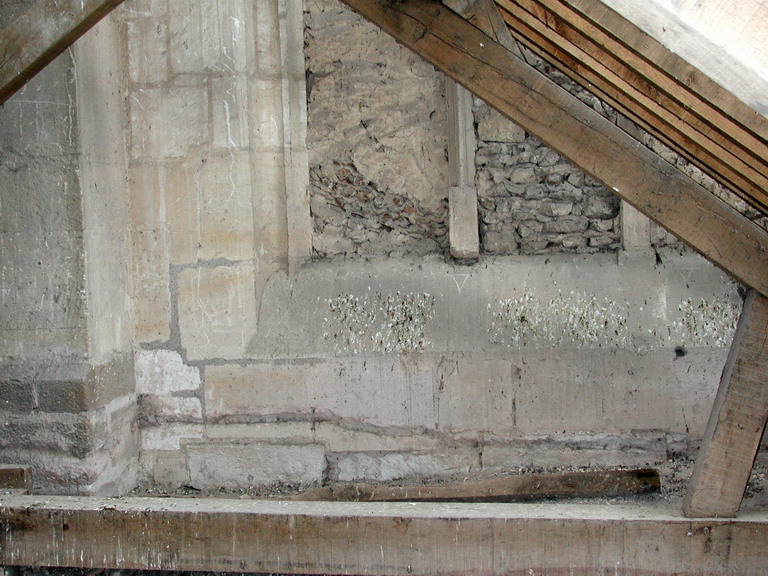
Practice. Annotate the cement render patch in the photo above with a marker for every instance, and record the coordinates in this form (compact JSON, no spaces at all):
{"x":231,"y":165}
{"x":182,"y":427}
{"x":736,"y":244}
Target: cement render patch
{"x":162,"y":372}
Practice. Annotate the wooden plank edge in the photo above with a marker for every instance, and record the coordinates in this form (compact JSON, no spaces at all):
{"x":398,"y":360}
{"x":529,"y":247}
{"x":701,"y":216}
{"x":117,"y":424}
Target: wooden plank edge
{"x":519,"y":488}
{"x":651,"y":50}
{"x":737,"y":420}
{"x":625,"y":57}
{"x":375,"y":538}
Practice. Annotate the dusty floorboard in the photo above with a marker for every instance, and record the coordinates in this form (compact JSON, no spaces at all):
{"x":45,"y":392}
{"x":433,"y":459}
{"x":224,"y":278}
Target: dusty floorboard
{"x":375,"y":538}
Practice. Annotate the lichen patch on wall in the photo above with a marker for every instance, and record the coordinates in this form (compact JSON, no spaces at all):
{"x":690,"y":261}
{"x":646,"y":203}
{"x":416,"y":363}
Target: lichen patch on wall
{"x":381,"y":323}
{"x":577,"y":320}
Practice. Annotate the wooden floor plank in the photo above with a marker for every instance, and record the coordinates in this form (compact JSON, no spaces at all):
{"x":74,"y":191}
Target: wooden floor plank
{"x":375,"y":538}
{"x":737,"y":421}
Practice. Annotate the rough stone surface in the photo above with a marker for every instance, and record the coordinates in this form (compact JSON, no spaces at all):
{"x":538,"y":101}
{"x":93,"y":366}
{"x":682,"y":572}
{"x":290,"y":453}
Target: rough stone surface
{"x":532,"y":201}
{"x":639,"y":450}
{"x":380,"y":391}
{"x":169,"y":437}
{"x":377,"y":140}
{"x":42,"y":277}
{"x":254,"y":367}
{"x":153,"y":409}
{"x":362,"y":466}
{"x":212,"y":465}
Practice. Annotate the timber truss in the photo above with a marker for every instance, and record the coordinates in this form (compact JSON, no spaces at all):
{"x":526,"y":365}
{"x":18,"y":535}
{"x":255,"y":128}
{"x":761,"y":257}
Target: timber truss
{"x":475,"y":43}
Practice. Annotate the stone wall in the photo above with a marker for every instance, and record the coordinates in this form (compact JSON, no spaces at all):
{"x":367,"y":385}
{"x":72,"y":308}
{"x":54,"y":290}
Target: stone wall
{"x":533,"y":201}
{"x":377,"y":359}
{"x":264,"y":311}
{"x":377,"y":140}
{"x":67,"y":400}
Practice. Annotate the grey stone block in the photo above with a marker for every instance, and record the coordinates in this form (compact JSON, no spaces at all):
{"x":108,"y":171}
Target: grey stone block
{"x":215,"y":465}
{"x":16,"y":396}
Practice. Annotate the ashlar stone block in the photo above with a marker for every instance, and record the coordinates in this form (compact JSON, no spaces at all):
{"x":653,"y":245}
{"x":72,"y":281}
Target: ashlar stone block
{"x":226,"y":212}
{"x":497,"y":128}
{"x":363,"y":466}
{"x":147,"y":52}
{"x":229,"y":103}
{"x":476,"y":394}
{"x":147,"y":205}
{"x":152,"y":296}
{"x":182,"y":213}
{"x":167,"y":122}
{"x":208,"y":36}
{"x":217,"y":311}
{"x":256,"y":389}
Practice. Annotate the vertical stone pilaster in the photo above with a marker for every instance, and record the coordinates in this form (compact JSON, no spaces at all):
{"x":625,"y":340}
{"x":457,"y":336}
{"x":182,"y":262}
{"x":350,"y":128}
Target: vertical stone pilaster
{"x":294,"y":102}
{"x":462,"y":197}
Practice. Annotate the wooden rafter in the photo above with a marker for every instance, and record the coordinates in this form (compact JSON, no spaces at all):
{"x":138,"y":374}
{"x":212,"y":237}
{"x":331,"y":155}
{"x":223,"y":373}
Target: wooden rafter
{"x":47,"y":29}
{"x":644,"y":80}
{"x":633,"y":172}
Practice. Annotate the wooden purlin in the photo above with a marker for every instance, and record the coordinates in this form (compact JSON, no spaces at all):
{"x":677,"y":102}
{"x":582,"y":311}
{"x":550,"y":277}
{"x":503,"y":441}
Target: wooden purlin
{"x":598,"y":147}
{"x":642,"y":79}
{"x":38,"y":36}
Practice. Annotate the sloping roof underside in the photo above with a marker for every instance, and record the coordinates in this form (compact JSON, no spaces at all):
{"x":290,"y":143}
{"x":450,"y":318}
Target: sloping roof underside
{"x":665,"y":94}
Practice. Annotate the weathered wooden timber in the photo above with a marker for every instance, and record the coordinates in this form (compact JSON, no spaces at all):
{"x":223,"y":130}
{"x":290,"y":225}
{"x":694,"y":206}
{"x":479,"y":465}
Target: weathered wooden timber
{"x":376,"y":538}
{"x":630,"y":70}
{"x":737,"y":421}
{"x":520,"y":488}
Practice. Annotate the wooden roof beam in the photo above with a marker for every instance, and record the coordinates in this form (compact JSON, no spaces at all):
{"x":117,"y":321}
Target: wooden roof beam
{"x":668,"y":97}
{"x":37,"y":37}
{"x":598,"y":147}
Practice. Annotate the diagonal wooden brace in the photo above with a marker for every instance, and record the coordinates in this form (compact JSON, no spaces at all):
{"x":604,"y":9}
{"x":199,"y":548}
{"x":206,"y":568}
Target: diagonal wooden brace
{"x":47,"y":29}
{"x":737,"y":421}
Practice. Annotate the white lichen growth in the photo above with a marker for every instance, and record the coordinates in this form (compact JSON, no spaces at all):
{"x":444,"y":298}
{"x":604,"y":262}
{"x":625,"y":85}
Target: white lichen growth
{"x":705,"y":323}
{"x":351,"y":318}
{"x":576,"y":319}
{"x":390,"y":323}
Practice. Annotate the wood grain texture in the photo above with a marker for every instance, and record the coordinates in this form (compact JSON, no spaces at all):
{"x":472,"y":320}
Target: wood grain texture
{"x":737,"y":421}
{"x":642,"y":92}
{"x":642,"y":79}
{"x":35,"y":39}
{"x":598,"y":147}
{"x":375,"y":538}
